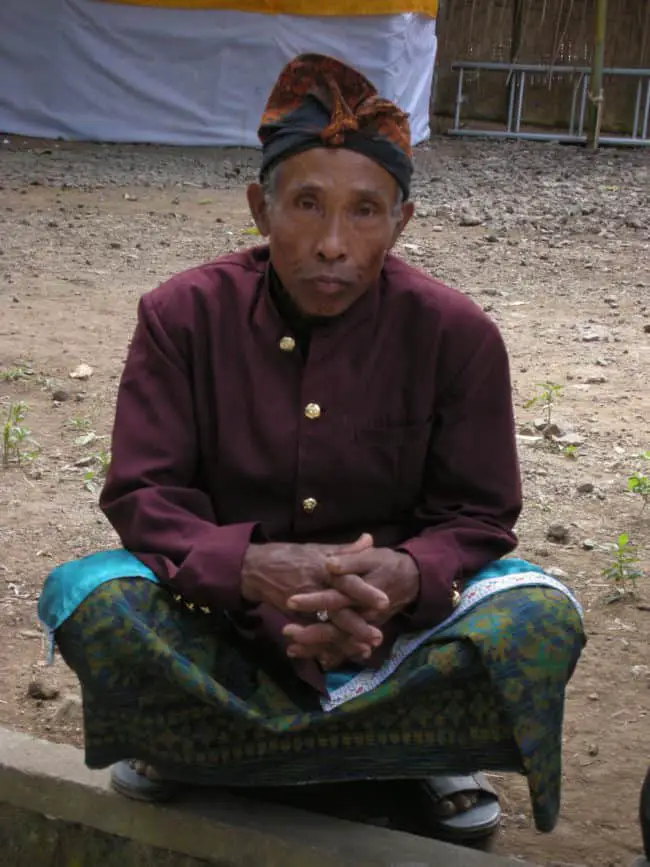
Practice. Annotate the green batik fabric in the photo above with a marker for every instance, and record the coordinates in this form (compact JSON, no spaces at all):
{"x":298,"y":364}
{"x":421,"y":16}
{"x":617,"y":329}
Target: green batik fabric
{"x":178,"y":688}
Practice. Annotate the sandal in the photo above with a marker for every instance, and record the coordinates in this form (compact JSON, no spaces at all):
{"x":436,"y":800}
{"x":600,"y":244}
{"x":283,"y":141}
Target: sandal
{"x":480,"y":821}
{"x":127,"y":781}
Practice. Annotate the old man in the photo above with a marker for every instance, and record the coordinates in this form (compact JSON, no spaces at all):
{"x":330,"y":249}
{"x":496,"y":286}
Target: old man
{"x":314,"y":479}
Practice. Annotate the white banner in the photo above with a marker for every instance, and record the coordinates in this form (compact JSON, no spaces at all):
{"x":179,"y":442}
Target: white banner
{"x":78,"y":69}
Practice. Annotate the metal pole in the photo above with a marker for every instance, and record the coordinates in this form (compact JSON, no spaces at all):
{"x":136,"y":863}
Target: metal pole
{"x":515,"y":36}
{"x":596,"y":113}
{"x":637,"y":107}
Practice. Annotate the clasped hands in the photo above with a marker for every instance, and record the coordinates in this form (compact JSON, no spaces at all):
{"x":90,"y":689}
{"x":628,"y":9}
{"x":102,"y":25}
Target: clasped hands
{"x":360,"y":586}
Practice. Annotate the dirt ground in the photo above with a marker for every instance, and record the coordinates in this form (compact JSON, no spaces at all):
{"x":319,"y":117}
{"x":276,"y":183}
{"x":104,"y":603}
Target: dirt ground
{"x":553,"y":242}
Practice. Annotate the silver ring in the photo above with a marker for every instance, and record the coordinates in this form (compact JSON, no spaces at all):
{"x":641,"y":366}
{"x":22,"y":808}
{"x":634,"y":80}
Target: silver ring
{"x":323,"y":616}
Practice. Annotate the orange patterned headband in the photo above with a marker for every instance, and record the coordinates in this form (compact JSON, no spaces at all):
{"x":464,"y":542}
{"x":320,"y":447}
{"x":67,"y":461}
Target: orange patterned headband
{"x":318,"y":101}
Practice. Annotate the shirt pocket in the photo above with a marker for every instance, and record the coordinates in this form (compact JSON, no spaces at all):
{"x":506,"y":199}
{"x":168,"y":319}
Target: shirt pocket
{"x":400,"y":449}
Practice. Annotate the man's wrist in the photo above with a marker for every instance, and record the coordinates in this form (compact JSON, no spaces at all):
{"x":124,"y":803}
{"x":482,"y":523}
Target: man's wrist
{"x":415,"y":581}
{"x":249,"y":587}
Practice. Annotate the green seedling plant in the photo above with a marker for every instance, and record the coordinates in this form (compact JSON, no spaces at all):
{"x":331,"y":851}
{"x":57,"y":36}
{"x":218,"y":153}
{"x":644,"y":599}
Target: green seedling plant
{"x":639,"y":483}
{"x":17,"y":444}
{"x":547,"y":396}
{"x":16,"y":373}
{"x":570,"y":452}
{"x":94,"y":476}
{"x":79,"y":423}
{"x":623,"y":572}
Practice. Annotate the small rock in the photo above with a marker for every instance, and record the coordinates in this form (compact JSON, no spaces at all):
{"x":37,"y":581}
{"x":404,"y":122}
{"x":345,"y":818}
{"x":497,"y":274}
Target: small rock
{"x":492,"y":238}
{"x":571,"y":439}
{"x":589,"y":545}
{"x":526,"y":440}
{"x":633,"y":223}
{"x":527,"y":430}
{"x":556,"y":572}
{"x":85,"y":462}
{"x":585,"y":488}
{"x":559,"y":533}
{"x":554,"y":429}
{"x":39,"y":690}
{"x":469,"y":219}
{"x":71,"y":710}
{"x":640,"y":670}
{"x":551,"y":430}
{"x":594,"y":334}
{"x":30,"y":633}
{"x":593,"y":696}
{"x":646,"y":328}
{"x":115,"y":245}
{"x":592,"y":750}
{"x":596,"y":380}
{"x":61,"y":395}
{"x":83,"y":372}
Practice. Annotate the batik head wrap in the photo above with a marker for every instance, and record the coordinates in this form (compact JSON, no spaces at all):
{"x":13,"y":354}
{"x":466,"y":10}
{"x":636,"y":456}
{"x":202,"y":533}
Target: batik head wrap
{"x":318,"y":101}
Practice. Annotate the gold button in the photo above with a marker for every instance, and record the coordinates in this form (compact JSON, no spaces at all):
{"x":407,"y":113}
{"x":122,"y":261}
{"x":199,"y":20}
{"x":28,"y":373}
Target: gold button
{"x":287,"y":344}
{"x":309,"y":504}
{"x":312,"y":411}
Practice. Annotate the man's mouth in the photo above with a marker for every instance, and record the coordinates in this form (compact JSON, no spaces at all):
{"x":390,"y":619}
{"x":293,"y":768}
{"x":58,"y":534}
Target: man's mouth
{"x":329,"y":283}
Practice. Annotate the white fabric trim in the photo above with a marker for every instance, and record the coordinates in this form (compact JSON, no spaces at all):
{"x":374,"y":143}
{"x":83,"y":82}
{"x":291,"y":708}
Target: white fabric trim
{"x":368,"y":679}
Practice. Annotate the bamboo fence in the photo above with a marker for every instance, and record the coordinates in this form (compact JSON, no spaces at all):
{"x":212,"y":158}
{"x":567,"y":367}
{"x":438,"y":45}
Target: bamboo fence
{"x":550,"y":32}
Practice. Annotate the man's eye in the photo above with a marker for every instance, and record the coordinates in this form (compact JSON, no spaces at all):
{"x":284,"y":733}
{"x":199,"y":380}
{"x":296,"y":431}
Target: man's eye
{"x":307,"y":204}
{"x":367,"y":210}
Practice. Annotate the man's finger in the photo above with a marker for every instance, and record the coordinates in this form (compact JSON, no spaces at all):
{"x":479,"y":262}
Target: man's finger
{"x":364,"y":542}
{"x":359,"y":591}
{"x":321,"y":600}
{"x":353,"y":650}
{"x":315,"y":633}
{"x":354,"y":625}
{"x":305,"y":651}
{"x":357,"y":563}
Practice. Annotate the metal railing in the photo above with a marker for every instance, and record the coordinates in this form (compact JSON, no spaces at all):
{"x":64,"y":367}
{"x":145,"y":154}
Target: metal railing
{"x":517,"y":74}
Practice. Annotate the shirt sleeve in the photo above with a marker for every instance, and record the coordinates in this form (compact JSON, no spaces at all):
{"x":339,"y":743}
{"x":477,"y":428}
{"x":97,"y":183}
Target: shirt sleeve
{"x":472,"y":489}
{"x":152,"y":495}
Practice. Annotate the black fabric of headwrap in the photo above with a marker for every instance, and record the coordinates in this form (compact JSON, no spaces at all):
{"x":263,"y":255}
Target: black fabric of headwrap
{"x":300,"y":131}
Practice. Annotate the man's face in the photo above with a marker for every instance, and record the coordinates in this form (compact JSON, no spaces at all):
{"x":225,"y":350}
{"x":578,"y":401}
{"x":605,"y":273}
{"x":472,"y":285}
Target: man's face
{"x":331,"y":217}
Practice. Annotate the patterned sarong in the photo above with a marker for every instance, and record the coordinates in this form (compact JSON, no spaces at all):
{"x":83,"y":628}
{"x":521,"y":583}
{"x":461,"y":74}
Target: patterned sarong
{"x":178,"y":688}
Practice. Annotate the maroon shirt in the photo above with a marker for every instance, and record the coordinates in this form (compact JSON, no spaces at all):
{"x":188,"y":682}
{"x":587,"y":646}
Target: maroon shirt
{"x":398,"y":422}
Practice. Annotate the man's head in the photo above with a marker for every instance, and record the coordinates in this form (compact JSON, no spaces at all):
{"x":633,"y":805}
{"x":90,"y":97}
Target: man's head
{"x":336,"y":170}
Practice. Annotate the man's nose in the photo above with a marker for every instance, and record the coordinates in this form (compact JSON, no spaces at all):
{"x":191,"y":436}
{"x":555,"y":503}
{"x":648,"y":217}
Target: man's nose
{"x":333,"y":241}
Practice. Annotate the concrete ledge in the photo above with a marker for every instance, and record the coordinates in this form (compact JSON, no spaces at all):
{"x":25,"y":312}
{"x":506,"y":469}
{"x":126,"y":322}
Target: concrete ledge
{"x":48,"y":797}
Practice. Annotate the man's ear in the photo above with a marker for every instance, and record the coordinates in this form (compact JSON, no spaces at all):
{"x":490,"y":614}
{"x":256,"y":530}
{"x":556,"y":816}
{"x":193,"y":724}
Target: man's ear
{"x":407,"y":210}
{"x":259,"y":208}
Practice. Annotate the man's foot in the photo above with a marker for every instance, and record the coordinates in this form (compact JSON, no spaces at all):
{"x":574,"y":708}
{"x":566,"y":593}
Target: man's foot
{"x":456,"y":808}
{"x":141,"y":782}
